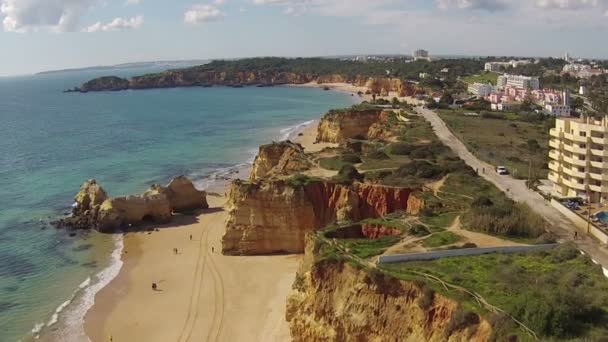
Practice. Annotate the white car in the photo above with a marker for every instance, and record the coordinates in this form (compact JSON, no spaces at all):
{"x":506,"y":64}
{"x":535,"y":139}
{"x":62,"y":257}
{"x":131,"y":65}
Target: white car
{"x":501,"y":170}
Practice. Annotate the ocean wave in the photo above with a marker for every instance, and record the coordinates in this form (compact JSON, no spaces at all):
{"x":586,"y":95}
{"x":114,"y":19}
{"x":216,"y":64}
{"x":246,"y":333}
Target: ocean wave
{"x":209,"y":179}
{"x":292,"y":131}
{"x":71,"y":324}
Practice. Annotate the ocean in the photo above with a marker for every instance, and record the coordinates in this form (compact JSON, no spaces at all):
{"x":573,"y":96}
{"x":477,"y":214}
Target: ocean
{"x":51,"y":142}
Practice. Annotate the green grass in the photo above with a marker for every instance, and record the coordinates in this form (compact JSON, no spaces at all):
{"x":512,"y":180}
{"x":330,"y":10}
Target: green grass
{"x":443,"y":220}
{"x":485,"y":77}
{"x":503,"y":142}
{"x":533,"y":287}
{"x":333,"y":163}
{"x":441,"y":239}
{"x":367,"y":248}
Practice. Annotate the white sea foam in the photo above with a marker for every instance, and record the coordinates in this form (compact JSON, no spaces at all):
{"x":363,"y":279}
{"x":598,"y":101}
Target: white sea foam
{"x":71,"y":326}
{"x":292,"y":131}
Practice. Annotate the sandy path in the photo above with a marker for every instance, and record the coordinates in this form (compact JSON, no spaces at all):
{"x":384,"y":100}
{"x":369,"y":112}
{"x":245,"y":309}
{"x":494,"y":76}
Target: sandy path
{"x":203,"y":296}
{"x":480,"y":239}
{"x":517,"y":190}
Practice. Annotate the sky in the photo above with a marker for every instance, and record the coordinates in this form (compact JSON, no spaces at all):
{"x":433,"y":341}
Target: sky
{"x":39,"y":35}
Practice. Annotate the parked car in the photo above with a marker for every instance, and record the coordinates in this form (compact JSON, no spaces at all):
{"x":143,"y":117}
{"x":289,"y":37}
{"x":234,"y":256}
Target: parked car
{"x":501,"y":170}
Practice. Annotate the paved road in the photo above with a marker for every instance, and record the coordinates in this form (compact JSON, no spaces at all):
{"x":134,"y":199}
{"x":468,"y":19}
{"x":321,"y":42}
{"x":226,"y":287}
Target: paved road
{"x":517,"y":190}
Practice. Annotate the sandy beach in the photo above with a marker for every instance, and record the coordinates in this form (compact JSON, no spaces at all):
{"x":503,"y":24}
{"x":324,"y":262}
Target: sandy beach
{"x":203,"y":295}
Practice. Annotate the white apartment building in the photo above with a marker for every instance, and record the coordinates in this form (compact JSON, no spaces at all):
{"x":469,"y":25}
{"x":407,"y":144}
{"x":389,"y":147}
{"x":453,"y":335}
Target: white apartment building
{"x":557,"y":109}
{"x":498,"y":66}
{"x":421,"y":54}
{"x":481,"y":90}
{"x":579,"y":158}
{"x":518,"y":81}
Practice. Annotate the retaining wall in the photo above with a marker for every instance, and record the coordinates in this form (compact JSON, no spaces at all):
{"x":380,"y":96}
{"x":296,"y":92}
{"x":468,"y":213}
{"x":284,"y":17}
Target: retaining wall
{"x":387,"y":259}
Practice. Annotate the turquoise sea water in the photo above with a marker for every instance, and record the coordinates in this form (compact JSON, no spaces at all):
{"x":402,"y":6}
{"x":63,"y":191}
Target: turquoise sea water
{"x":50,"y":142}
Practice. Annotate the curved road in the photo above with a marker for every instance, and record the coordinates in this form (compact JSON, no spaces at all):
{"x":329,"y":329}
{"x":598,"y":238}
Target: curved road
{"x":517,"y":190}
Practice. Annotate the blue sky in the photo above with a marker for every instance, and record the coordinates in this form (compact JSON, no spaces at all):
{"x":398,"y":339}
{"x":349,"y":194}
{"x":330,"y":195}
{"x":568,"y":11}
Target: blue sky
{"x":40,"y":35}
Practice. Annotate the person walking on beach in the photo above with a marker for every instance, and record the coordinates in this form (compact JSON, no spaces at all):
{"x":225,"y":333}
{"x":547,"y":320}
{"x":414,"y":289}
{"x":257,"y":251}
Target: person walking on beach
{"x":190,"y":237}
{"x":212,"y":249}
{"x":111,"y":339}
{"x":154,"y":287}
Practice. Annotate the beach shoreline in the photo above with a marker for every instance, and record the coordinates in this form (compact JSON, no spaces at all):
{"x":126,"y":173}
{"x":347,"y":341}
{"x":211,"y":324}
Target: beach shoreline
{"x":237,"y":287}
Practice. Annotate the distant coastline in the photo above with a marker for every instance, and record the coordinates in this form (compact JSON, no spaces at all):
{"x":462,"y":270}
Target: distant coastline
{"x":168,"y":64}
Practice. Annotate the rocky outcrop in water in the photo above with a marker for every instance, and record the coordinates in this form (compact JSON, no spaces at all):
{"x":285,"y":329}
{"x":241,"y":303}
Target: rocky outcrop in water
{"x":107,"y":83}
{"x":267,"y":217}
{"x":93,"y":209}
{"x":278,"y":159}
{"x":335,"y":301}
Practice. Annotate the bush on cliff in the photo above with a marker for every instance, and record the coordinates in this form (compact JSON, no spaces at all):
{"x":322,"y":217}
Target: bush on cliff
{"x":337,"y":162}
{"x":299,"y":181}
{"x":348,"y":174}
{"x":505,"y":218}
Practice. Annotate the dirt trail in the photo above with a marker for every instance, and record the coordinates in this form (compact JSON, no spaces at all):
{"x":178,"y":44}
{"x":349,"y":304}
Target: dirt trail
{"x":480,"y":239}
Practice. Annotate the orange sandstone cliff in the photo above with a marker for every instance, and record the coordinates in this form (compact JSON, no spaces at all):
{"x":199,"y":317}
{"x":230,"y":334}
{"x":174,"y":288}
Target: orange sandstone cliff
{"x":339,"y":126}
{"x":279,"y":159}
{"x":333,"y":300}
{"x":268,"y":217}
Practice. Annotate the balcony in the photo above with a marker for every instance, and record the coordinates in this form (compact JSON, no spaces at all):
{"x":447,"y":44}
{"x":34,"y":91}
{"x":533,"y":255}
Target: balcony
{"x":554,"y":166}
{"x":555,"y":155}
{"x":556,"y":144}
{"x":599,"y":141}
{"x":574,"y":137}
{"x":574,"y":161}
{"x":574,"y":185}
{"x":596,"y":164}
{"x":574,"y":173}
{"x":599,"y":153}
{"x":554,"y":177}
{"x":595,"y":188}
{"x":554,"y":133}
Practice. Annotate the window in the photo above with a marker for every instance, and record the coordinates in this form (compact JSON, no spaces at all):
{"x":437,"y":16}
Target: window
{"x":583,"y":134}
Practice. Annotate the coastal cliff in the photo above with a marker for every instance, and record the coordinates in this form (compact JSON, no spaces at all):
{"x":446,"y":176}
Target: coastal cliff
{"x":279,"y":159}
{"x":259,"y":72}
{"x":266,"y":217}
{"x":93,"y":209}
{"x":340,"y":126}
{"x":332,"y":300}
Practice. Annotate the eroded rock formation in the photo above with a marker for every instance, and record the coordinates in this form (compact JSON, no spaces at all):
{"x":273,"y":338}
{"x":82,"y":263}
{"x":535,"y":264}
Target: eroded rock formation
{"x":268,"y":217}
{"x":339,"y":126}
{"x":93,"y":209}
{"x":279,"y":159}
{"x":334,"y":301}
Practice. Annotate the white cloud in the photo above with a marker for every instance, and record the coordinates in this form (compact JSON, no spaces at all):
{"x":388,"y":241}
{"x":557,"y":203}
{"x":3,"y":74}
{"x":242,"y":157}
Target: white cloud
{"x":34,"y":15}
{"x":202,"y":13}
{"x":134,"y":2}
{"x":488,"y":5}
{"x":118,"y":24}
{"x":570,"y":4}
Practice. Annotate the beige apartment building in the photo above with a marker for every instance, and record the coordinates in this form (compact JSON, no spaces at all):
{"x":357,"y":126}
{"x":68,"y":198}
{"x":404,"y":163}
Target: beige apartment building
{"x":578,"y":158}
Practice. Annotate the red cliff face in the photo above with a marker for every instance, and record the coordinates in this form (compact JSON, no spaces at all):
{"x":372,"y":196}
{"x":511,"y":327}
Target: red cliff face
{"x":271,"y":216}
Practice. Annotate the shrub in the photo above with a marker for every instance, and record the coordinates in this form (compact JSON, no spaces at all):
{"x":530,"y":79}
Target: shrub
{"x":350,"y":173}
{"x":461,"y":319}
{"x":402,"y":149}
{"x":420,"y":169}
{"x":351,"y":158}
{"x":426,"y":300}
{"x":377,"y":154}
{"x":507,"y":219}
{"x":299,"y":181}
{"x":419,"y":230}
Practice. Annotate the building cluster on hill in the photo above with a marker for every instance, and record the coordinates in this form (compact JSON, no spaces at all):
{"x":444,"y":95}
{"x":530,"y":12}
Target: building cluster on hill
{"x":513,"y":90}
{"x":583,"y":70}
{"x":502,"y":66}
